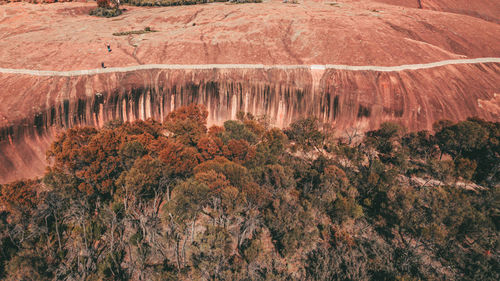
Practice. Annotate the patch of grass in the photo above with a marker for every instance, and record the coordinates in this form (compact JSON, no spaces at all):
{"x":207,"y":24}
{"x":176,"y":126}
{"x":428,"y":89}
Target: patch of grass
{"x":147,"y":29}
{"x":106,"y":12}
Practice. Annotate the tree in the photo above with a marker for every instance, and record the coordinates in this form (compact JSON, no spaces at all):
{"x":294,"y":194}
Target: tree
{"x":235,"y":130}
{"x":20,"y":196}
{"x":345,"y":208}
{"x":27,"y":266}
{"x":179,"y":159}
{"x":421,"y":144}
{"x":210,"y":147}
{"x":239,"y":151}
{"x":103,"y":3}
{"x":51,"y":213}
{"x":305,"y":134}
{"x":272,"y":147}
{"x":339,"y":262}
{"x":101,"y":164}
{"x":144,"y":180}
{"x":487,"y":157}
{"x":460,"y":138}
{"x":235,"y":173}
{"x":64,"y":152}
{"x":140,"y":127}
{"x":212,"y":254}
{"x":189,"y":198}
{"x":275,"y":178}
{"x":225,"y":199}
{"x":130,"y":151}
{"x":290,"y":224}
{"x":387,"y":138}
{"x":187,"y":123}
{"x":91,"y":157}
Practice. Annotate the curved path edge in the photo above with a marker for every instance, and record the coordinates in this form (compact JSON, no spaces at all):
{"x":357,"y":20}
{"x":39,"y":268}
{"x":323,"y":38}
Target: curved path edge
{"x":249,"y":66}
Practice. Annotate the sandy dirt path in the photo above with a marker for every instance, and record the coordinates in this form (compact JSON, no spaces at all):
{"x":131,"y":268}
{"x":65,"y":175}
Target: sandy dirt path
{"x":248,"y":66}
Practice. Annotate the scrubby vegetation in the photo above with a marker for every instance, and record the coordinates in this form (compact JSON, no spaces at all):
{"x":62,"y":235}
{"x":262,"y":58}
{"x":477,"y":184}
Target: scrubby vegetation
{"x":107,"y":9}
{"x":105,"y":12}
{"x":181,"y":2}
{"x":110,"y":8}
{"x":180,"y":201}
{"x":134,"y":32}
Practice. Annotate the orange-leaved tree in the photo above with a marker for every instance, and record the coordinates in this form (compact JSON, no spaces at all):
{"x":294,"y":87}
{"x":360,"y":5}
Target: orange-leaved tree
{"x":91,"y":156}
{"x":187,"y":124}
{"x":179,"y":159}
{"x":19,"y":196}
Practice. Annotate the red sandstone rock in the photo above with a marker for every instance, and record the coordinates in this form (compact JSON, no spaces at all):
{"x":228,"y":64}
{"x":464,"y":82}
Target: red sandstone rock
{"x":63,"y":37}
{"x":487,"y":10}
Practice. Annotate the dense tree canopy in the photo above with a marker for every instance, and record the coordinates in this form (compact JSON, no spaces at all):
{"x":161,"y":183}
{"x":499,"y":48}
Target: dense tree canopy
{"x":179,"y":201}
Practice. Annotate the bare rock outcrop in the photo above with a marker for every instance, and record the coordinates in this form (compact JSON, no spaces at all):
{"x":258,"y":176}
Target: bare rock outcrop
{"x":486,"y":9}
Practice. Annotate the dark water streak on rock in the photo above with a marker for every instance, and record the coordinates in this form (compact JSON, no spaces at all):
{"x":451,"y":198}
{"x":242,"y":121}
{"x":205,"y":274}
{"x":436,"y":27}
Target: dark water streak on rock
{"x":345,"y":99}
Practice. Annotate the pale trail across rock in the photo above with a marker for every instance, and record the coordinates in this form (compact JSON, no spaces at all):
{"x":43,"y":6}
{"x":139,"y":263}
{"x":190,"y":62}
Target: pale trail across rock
{"x":249,"y":66}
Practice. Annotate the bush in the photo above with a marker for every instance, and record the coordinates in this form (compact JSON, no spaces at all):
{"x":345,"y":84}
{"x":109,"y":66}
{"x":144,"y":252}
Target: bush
{"x":103,"y":4}
{"x":147,"y":29}
{"x":105,"y":12}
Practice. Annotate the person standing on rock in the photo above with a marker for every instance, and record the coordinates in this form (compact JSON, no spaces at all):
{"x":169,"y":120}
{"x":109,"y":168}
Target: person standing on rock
{"x":109,"y":47}
{"x":102,"y":65}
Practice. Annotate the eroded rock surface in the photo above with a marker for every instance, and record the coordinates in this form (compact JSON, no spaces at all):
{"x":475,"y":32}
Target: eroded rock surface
{"x":486,"y":10}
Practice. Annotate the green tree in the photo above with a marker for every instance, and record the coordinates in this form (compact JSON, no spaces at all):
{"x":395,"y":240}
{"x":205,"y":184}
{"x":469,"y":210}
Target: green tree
{"x":461,"y":137}
{"x":212,"y":254}
{"x":305,"y":134}
{"x":145,"y":180}
{"x":235,"y":130}
{"x":189,"y":198}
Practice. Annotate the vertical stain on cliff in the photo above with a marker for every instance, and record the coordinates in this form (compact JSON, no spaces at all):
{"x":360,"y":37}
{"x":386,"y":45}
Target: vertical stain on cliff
{"x":363,"y":111}
{"x":335,"y":106}
{"x":361,"y":99}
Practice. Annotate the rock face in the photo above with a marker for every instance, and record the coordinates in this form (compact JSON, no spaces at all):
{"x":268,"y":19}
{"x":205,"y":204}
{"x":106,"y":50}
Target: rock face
{"x":62,"y":37}
{"x":486,"y":10}
{"x":361,"y":99}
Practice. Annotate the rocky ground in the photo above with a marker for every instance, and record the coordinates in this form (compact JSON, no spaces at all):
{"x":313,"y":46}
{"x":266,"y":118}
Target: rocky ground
{"x":62,"y":36}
